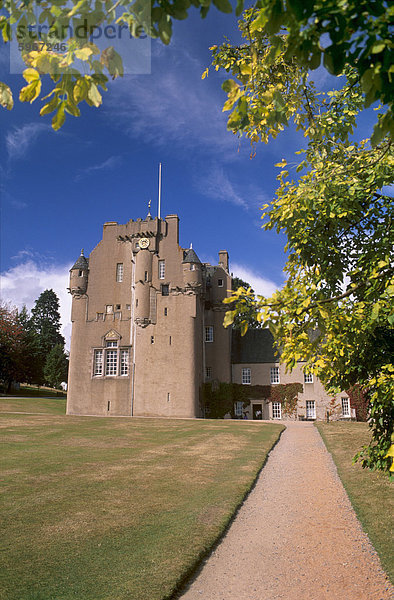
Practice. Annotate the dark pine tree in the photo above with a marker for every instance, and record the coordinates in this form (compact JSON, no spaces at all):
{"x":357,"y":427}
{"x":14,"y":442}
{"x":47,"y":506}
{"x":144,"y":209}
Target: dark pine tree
{"x":45,"y":319}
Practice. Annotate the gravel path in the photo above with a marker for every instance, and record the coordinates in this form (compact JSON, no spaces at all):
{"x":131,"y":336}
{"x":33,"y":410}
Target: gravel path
{"x":296,"y":536}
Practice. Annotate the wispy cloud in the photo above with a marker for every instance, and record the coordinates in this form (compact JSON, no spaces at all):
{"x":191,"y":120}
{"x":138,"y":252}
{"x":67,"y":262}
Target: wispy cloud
{"x":24,"y":283}
{"x":261,"y":285}
{"x":218,"y":185}
{"x":107,"y":165}
{"x":174,"y":107}
{"x":20,"y":139}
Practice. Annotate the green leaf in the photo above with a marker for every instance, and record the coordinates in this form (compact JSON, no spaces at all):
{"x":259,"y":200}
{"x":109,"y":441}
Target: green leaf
{"x":51,"y":106}
{"x":223,"y":5}
{"x":30,"y":92}
{"x":59,"y":118}
{"x":239,"y":8}
{"x":94,"y":95}
{"x":6,"y":99}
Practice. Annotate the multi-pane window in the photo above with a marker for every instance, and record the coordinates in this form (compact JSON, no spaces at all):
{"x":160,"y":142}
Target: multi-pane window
{"x":238,"y":406}
{"x":209,"y":333}
{"x":208,"y":372}
{"x":119,"y":272}
{"x":310,"y":409}
{"x":165,"y":290}
{"x":98,"y":362}
{"x":276,"y":410}
{"x":308,"y":378}
{"x":246,"y":376}
{"x":111,"y":360}
{"x":345,"y":407}
{"x":162,"y":269}
{"x":274,"y":372}
{"x":124,"y":362}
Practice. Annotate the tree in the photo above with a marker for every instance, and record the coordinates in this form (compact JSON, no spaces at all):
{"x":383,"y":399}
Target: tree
{"x":56,"y":366}
{"x":10,"y":343}
{"x":30,"y":372}
{"x":248,"y":306}
{"x":54,"y":37}
{"x":45,"y":319}
{"x":337,"y":218}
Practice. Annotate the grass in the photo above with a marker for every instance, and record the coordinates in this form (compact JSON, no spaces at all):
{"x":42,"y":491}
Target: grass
{"x":37,"y":392}
{"x":370,"y":492}
{"x":53,"y":406}
{"x":118,"y":509}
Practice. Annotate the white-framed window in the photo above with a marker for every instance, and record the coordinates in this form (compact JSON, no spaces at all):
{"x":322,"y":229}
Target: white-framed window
{"x":98,"y":363}
{"x":276,"y":410}
{"x":220,"y":282}
{"x":310,"y":409}
{"x":111,"y":362}
{"x":308,"y":377}
{"x":345,"y":407}
{"x":162,"y":269}
{"x":238,"y":406}
{"x":109,"y":309}
{"x":246,"y":376}
{"x":124,"y":362}
{"x":208,"y":372}
{"x":119,"y":272}
{"x":274,"y":375}
{"x":209,"y":333}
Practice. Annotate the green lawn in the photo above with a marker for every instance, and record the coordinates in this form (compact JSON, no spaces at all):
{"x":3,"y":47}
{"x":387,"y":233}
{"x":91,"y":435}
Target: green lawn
{"x":370,"y":492}
{"x":53,"y":406}
{"x":117,"y":508}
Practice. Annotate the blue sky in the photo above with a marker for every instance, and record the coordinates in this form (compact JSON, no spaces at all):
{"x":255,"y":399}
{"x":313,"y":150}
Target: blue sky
{"x":59,"y":188}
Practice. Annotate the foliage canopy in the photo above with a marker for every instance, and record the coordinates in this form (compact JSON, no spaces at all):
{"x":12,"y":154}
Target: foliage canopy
{"x":336,"y":308}
{"x":332,"y":32}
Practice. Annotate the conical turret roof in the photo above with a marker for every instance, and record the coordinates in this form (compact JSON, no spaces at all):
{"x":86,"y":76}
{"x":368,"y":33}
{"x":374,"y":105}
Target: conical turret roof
{"x":191,"y":257}
{"x":81,"y":263}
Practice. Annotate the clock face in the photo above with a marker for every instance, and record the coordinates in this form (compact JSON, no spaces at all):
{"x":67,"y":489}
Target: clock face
{"x":143,"y":243}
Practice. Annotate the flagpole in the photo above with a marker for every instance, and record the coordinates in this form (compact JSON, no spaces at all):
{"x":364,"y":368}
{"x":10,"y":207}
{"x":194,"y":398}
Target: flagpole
{"x":159,"y":208}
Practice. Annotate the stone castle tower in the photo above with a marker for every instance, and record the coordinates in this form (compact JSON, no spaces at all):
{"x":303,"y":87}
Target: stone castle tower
{"x":147,"y":324}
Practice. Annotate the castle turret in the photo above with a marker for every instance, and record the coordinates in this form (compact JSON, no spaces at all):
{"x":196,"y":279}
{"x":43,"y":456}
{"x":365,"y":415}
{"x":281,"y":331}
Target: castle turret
{"x":79,"y":276}
{"x":192,"y":274}
{"x":143,"y":280}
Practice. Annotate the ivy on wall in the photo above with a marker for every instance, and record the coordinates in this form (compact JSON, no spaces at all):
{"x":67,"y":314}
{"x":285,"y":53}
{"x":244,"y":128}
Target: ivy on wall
{"x":359,"y":399}
{"x":219,"y":398}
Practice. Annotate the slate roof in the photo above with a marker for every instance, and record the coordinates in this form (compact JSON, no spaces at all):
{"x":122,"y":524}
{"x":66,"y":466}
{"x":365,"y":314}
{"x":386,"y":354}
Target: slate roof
{"x":256,"y":346}
{"x":191,"y":257}
{"x":81,"y":263}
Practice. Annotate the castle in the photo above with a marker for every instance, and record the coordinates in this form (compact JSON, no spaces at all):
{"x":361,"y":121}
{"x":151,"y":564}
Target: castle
{"x":147,"y":332}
